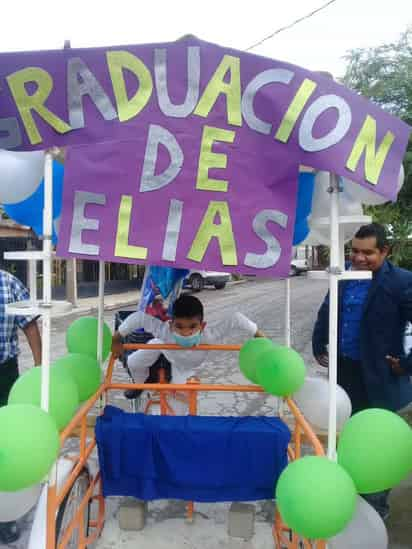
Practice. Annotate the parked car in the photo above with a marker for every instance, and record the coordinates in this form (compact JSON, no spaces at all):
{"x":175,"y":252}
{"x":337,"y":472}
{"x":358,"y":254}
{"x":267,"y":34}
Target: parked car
{"x":197,"y":280}
{"x":298,"y":266}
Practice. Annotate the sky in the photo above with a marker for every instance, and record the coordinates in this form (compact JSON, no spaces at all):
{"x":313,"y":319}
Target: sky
{"x":319,"y":43}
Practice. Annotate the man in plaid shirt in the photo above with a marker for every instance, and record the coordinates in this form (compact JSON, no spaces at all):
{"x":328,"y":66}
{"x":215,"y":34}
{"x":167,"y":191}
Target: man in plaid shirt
{"x":11,"y":290}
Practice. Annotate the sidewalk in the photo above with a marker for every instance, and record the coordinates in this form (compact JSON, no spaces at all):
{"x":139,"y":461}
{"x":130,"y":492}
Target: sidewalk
{"x":89,"y":305}
{"x":125,"y":298}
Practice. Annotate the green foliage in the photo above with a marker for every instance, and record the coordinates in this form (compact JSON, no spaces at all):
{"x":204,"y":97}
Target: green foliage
{"x":384,"y":74}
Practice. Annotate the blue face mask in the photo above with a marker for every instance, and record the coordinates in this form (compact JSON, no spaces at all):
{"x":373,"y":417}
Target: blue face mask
{"x":187,"y":341}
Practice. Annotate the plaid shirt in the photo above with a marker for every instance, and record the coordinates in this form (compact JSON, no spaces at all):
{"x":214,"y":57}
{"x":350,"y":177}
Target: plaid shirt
{"x":11,"y":289}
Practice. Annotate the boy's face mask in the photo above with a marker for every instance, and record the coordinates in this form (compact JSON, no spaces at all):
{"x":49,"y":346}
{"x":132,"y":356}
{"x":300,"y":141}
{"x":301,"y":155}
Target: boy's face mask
{"x":187,"y":332}
{"x":187,"y":341}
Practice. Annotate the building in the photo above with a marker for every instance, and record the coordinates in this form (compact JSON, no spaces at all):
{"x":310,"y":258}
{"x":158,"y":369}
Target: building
{"x":15,"y":237}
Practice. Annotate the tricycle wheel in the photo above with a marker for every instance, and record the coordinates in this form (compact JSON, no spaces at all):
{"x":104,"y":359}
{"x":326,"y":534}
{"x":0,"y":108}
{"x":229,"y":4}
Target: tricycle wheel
{"x":69,"y":507}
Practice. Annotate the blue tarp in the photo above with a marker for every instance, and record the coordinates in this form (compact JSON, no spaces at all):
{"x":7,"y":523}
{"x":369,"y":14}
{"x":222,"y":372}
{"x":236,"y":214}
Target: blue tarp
{"x":196,"y":458}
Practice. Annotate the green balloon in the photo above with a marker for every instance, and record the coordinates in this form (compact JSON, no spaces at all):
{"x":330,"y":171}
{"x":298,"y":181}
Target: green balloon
{"x":63,"y":394}
{"x":85,"y":371}
{"x":29,"y":445}
{"x":375,"y":448}
{"x":316,"y":497}
{"x":249,"y":353}
{"x":280,"y":371}
{"x":81,"y":337}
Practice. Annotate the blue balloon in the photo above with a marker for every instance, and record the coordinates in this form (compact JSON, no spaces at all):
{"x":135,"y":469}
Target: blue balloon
{"x":30,"y":211}
{"x":306,"y":185}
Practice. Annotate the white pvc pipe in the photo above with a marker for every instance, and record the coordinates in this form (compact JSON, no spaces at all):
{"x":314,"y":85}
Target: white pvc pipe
{"x":342,"y":247}
{"x":47,"y":227}
{"x":287,"y":313}
{"x":47,"y":279}
{"x":33,"y":281}
{"x":100,"y":313}
{"x":333,"y":312}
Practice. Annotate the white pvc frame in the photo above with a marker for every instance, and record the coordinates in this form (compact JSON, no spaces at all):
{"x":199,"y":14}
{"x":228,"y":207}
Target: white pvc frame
{"x":46,"y":307}
{"x":335,"y":272}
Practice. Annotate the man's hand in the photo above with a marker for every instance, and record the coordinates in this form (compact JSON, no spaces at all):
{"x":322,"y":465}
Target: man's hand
{"x":117,"y":346}
{"x":323,"y":360}
{"x":32,"y":333}
{"x":395,"y":365}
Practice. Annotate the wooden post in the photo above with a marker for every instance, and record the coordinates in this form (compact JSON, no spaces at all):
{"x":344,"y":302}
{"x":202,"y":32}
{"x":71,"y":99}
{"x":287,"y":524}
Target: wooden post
{"x":71,"y":281}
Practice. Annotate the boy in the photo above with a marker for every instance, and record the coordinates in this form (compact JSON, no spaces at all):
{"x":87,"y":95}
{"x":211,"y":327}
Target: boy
{"x":187,"y":329}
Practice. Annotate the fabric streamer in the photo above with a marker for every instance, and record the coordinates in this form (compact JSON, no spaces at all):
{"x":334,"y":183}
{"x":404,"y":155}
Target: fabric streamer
{"x":190,"y":457}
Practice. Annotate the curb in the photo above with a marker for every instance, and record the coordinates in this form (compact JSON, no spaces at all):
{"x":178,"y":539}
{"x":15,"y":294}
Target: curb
{"x":78,"y":311}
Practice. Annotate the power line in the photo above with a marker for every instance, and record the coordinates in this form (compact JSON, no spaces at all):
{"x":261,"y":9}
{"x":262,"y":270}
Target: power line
{"x":307,"y":16}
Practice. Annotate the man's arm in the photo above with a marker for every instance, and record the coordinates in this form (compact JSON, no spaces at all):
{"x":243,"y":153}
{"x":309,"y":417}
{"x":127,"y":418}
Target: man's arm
{"x":402,"y":366}
{"x":320,"y":334}
{"x":234,"y":325}
{"x":134,"y":322}
{"x":32,"y":333}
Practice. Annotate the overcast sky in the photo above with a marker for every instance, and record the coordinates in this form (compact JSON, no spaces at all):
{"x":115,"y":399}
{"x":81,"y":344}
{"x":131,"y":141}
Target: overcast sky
{"x":318,"y":43}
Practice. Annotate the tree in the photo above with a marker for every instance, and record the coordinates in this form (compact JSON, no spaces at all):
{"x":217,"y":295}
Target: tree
{"x":384,"y":74}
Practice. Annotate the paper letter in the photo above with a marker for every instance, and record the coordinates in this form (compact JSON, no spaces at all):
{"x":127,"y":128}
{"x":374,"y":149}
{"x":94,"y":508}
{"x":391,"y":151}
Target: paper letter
{"x":231,"y":89}
{"x":160,"y":136}
{"x":208,"y":230}
{"x":81,"y":81}
{"x":174,"y":222}
{"x":366,"y":141}
{"x":295,"y":108}
{"x":122,"y":247}
{"x":283,"y":76}
{"x":26,"y":103}
{"x":193,"y":79}
{"x":81,"y":223}
{"x":117,"y":61}
{"x":209,"y":159}
{"x":322,"y":104}
{"x":10,"y":127}
{"x":273,"y":249}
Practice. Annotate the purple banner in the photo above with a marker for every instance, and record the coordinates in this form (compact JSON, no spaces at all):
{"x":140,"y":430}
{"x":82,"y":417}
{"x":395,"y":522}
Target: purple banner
{"x":72,"y":97}
{"x":113,"y":210}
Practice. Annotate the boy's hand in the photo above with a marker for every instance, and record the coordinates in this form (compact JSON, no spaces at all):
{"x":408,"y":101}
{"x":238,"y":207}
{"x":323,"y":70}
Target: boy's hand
{"x":117,"y":346}
{"x":323,"y":360}
{"x":396,"y":368}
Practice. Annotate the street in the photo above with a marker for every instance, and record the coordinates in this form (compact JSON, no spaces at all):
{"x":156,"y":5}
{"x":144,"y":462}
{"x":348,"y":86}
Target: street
{"x":262,"y":301}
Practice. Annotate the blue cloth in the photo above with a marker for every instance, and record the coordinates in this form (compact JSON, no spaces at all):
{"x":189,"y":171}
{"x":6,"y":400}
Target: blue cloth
{"x":11,"y":290}
{"x":194,"y":458}
{"x":306,"y":185}
{"x":386,"y":310}
{"x":354,"y":297}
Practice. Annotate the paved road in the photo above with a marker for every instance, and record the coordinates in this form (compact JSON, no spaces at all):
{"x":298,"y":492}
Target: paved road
{"x":263,"y":301}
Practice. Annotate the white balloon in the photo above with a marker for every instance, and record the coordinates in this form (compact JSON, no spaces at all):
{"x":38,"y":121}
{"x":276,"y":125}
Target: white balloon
{"x":14,"y":505}
{"x":366,"y":530}
{"x":366,"y":197}
{"x":321,"y":234}
{"x":38,"y":532}
{"x":351,"y":199}
{"x":348,"y":206}
{"x":321,"y":199}
{"x":313,"y":401}
{"x":20,"y":175}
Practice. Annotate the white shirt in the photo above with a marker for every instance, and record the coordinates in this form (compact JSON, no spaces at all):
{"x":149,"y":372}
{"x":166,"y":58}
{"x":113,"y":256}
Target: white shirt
{"x":183,"y":363}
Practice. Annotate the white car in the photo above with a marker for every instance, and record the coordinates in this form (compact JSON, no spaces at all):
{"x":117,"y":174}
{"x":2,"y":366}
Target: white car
{"x":298,"y":266}
{"x":197,"y":280}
